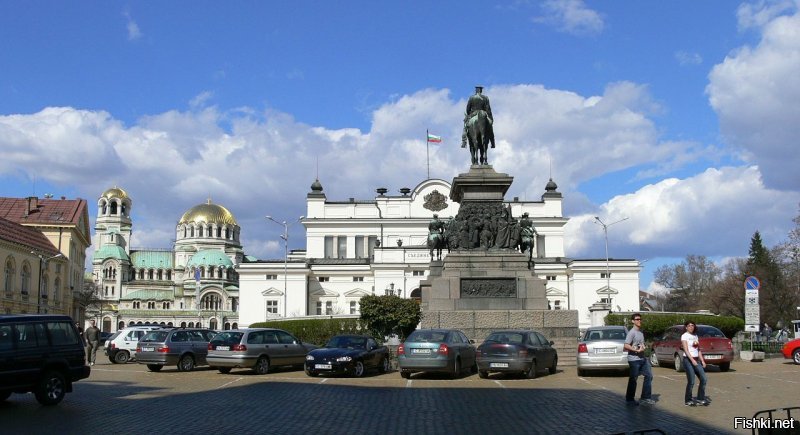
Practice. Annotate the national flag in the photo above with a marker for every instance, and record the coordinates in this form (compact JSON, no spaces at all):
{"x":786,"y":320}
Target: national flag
{"x":433,"y":138}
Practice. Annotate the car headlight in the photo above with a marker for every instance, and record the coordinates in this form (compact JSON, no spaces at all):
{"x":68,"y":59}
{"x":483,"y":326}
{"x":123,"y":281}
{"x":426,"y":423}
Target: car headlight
{"x":344,"y":359}
{"x":309,"y":357}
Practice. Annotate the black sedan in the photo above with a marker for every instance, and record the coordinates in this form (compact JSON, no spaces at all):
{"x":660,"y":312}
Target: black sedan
{"x":518,"y":351}
{"x":348,"y":355}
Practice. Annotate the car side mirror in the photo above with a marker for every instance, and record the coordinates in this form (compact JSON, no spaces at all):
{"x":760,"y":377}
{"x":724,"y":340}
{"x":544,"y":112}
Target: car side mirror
{"x":552,"y":342}
{"x":472,"y":341}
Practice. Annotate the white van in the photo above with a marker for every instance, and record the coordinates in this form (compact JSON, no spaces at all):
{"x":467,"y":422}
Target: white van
{"x":121,"y":346}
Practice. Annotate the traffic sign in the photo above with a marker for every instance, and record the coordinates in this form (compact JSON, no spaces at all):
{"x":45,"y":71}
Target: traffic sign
{"x":752,"y":283}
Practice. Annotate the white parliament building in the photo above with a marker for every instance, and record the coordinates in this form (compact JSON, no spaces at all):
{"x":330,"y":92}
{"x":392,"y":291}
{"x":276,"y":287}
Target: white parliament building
{"x":378,"y":246}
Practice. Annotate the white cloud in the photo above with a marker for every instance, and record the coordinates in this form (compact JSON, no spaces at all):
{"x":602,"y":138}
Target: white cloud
{"x":759,"y":13}
{"x":688,"y":58}
{"x":571,"y":16}
{"x":134,"y":32}
{"x":755,"y":92}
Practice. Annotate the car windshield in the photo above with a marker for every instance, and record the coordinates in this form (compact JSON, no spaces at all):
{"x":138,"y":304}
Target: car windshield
{"x":506,"y":337}
{"x":709,"y":331}
{"x":427,"y":337}
{"x":227,"y":338}
{"x":604,"y":334}
{"x":155,"y":336}
{"x":345,"y":342}
{"x":114,"y":335}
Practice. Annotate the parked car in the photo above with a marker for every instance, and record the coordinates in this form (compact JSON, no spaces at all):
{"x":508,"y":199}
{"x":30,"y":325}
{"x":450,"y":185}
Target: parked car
{"x":520,"y":351}
{"x":43,"y":354}
{"x":121,"y":346}
{"x":436,"y":350}
{"x":791,"y":350}
{"x":104,"y":336}
{"x":181,"y":347}
{"x":601,"y":348}
{"x":259,"y":349}
{"x":348,"y":354}
{"x":717,"y":349}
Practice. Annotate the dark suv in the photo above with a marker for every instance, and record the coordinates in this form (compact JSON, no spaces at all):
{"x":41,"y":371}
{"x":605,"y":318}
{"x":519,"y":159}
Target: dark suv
{"x":181,"y":347}
{"x":42,"y":354}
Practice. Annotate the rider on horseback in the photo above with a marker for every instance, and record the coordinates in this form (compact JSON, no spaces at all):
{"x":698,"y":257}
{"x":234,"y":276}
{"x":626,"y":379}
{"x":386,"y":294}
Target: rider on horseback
{"x":436,"y":235}
{"x":526,"y":230}
{"x":476,"y":103}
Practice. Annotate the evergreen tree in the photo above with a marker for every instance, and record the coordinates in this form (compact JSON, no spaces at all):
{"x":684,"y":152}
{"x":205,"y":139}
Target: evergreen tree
{"x":772,"y":295}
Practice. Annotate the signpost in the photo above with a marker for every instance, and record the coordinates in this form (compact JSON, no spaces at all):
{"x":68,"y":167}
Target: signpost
{"x":752,"y":319}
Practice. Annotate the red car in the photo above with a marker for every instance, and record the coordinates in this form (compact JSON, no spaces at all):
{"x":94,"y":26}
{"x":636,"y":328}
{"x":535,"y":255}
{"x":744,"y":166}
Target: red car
{"x":791,"y":350}
{"x":717,"y":349}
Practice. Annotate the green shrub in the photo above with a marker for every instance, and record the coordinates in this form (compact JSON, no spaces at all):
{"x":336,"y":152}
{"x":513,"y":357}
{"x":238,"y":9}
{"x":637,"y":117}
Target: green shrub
{"x":654,"y":323}
{"x":316,"y":331}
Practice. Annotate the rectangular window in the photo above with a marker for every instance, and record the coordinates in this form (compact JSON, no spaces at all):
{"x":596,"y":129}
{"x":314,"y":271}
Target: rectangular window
{"x":341,"y":247}
{"x":272,"y":307}
{"x":557,"y":305}
{"x":359,"y":246}
{"x":329,"y":247}
{"x":324,"y":279}
{"x":319,"y":308}
{"x":605,"y":275}
{"x":272,"y":276}
{"x":551,"y":277}
{"x":353,"y":307}
{"x":371,"y":240}
{"x":358,"y":279}
{"x":418,"y":273}
{"x":329,"y":307}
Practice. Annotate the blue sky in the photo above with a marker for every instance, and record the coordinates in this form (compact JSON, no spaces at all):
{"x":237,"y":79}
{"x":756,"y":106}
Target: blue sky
{"x":681,"y":116}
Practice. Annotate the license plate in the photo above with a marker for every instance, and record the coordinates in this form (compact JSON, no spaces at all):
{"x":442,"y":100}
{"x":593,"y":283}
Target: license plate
{"x":148,"y":349}
{"x":713,"y":356}
{"x":421,"y":351}
{"x":499,"y":365}
{"x":608,"y":350}
{"x":322,"y":366}
{"x":223,"y":348}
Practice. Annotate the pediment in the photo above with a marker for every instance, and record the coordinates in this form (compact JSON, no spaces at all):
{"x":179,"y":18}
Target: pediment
{"x":272,"y":291}
{"x":324,"y":292}
{"x":356,"y":293}
{"x":552,"y":291}
{"x":607,"y":291}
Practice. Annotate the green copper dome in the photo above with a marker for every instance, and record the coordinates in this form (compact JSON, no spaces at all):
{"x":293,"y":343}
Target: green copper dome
{"x":210,"y":257}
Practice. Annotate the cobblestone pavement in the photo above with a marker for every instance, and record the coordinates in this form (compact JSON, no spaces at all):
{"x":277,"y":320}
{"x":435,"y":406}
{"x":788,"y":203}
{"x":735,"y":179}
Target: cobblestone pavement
{"x":130,"y":399}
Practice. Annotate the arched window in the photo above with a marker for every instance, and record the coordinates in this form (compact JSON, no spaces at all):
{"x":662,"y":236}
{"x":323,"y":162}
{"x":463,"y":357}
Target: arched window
{"x":227,"y":233}
{"x":183,"y":324}
{"x":211,"y":302}
{"x":124,"y":209}
{"x":191,"y":324}
{"x":56,"y":292}
{"x":113,"y":208}
{"x":234,"y":304}
{"x":103,"y":208}
{"x":10,"y":275}
{"x":43,"y":293}
{"x":191,"y":232}
{"x":227,"y":326}
{"x":184,"y":232}
{"x":235,"y":325}
{"x":199,"y":231}
{"x":150,"y":274}
{"x":160,"y":275}
{"x":169,"y":275}
{"x":212,"y":324}
{"x":121,"y":325}
{"x":219,"y":232}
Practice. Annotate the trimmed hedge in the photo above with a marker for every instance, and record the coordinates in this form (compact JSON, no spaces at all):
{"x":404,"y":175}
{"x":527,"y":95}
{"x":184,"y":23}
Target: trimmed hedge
{"x":654,"y":323}
{"x":316,"y":331}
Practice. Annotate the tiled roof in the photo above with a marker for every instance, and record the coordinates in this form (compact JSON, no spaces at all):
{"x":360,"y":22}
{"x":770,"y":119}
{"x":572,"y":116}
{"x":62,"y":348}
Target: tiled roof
{"x":26,"y":236}
{"x":47,"y":211}
{"x":152,"y":259}
{"x":110,"y":251}
{"x":149,"y":294}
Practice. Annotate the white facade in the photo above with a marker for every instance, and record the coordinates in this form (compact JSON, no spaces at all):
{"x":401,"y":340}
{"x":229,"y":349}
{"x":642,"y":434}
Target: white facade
{"x":341,"y":262}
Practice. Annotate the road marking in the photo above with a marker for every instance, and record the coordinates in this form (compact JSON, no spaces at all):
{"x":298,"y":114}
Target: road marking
{"x":226,"y":384}
{"x":408,"y":383}
{"x":594,"y":384}
{"x":323,"y":381}
{"x":669,"y":378}
{"x":499,"y":383}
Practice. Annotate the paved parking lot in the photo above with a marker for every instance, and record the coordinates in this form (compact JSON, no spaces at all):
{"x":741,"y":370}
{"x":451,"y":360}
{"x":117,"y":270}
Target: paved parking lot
{"x":128,"y":398}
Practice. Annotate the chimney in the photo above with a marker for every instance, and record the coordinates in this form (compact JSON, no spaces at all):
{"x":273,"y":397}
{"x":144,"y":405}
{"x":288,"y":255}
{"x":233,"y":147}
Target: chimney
{"x":33,"y":204}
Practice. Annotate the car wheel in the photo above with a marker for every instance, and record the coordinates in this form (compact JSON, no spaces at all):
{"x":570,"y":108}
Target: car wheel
{"x":385,"y":366}
{"x":358,"y":369}
{"x":678,"y":365}
{"x":532,"y":372}
{"x":796,"y":356}
{"x":653,"y":358}
{"x":5,"y":395}
{"x":52,"y":388}
{"x":121,"y":357}
{"x":456,"y":369}
{"x":186,"y":363}
{"x":581,"y":372}
{"x":405,"y":375}
{"x":724,"y":367}
{"x":483,"y":374}
{"x":553,"y":367}
{"x":311,"y":374}
{"x":154,"y":367}
{"x":224,"y":370}
{"x":262,"y":366}
{"x":474,"y":368}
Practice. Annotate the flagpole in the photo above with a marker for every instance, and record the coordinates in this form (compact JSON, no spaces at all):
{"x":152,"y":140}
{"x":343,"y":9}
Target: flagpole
{"x":428,"y":151}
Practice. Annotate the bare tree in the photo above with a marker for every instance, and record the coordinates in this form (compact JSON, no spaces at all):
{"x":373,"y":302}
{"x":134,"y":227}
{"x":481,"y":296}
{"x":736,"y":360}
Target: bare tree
{"x":690,"y":283}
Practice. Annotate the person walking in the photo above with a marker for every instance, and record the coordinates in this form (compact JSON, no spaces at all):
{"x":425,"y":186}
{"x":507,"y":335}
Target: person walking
{"x":694,"y":364}
{"x":639,"y":365}
{"x":92,"y":335}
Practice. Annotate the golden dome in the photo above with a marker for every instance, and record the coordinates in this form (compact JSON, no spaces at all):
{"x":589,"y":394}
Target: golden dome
{"x":208,"y":213}
{"x":114,"y":192}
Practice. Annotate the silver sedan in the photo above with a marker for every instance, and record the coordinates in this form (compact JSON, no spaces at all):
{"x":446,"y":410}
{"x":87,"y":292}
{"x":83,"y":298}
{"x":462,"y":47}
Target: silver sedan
{"x":602,"y":349}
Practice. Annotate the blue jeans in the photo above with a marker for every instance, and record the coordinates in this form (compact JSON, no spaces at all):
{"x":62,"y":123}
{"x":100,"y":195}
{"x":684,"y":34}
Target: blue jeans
{"x":641,"y":366}
{"x":690,"y":372}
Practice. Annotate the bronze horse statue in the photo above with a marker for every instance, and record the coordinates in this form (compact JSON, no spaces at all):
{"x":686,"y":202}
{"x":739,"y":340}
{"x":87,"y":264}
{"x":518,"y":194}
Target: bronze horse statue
{"x":479,"y":134}
{"x":437,"y":242}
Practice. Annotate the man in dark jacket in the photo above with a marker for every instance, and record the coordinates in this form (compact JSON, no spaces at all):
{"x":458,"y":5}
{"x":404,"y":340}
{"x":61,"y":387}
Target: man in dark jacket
{"x":92,"y":335}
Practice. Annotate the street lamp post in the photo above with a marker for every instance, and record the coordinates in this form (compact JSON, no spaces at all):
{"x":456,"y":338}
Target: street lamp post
{"x":285,"y":237}
{"x":42,"y":264}
{"x":608,"y":271}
